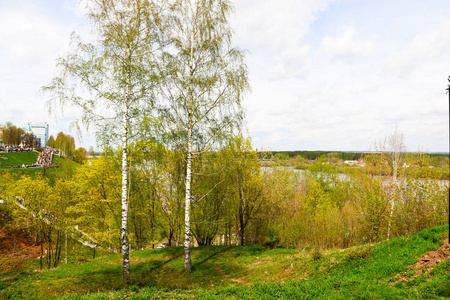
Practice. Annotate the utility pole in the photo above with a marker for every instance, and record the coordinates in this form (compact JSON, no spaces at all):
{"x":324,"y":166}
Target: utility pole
{"x":448,"y":92}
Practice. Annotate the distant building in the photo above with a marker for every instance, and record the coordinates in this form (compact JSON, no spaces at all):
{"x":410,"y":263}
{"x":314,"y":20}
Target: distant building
{"x":2,"y":127}
{"x":40,"y":131}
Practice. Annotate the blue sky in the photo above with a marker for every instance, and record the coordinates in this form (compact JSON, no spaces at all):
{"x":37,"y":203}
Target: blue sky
{"x":325,"y":75}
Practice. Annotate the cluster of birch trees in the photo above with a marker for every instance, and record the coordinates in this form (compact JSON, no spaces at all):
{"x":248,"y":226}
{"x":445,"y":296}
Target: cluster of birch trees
{"x":162,"y":70}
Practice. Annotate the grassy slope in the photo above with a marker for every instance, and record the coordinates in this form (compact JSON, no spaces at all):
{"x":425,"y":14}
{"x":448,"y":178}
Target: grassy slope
{"x":17,"y":158}
{"x":65,"y":166}
{"x":249,"y":272}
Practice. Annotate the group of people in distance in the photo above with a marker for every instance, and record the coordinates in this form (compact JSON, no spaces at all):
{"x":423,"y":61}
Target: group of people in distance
{"x":12,"y":149}
{"x":45,"y":158}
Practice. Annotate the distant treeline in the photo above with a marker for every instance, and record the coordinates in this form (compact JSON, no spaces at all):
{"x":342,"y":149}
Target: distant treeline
{"x":313,"y":155}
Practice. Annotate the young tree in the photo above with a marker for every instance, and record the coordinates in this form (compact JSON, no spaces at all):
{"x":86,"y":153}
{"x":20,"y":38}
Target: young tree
{"x":43,"y":206}
{"x":51,"y":141}
{"x":206,"y":78}
{"x":80,"y":155}
{"x":111,"y":79}
{"x":98,"y":194}
{"x":245,"y":182}
{"x":29,"y":140}
{"x":12,"y":135}
{"x":395,"y":149}
{"x":60,"y":142}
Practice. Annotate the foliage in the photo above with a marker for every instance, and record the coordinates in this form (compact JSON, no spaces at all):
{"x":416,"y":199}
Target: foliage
{"x":112,"y":80}
{"x":327,"y":210}
{"x":65,"y":144}
{"x":51,"y":142}
{"x":80,"y":155}
{"x":29,"y":140}
{"x":418,"y":165}
{"x":12,"y":135}
{"x":96,"y":207}
{"x":45,"y":210}
{"x":205,"y":78}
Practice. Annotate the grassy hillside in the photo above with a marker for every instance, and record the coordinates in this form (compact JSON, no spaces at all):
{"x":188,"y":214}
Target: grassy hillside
{"x":396,"y":269}
{"x":66,"y":167}
{"x":17,"y":158}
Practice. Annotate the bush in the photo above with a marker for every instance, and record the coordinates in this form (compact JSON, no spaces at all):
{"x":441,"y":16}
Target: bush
{"x":317,"y":254}
{"x":360,"y":252}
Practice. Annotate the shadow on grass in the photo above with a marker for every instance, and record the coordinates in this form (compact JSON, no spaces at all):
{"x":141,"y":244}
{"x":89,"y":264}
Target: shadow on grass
{"x":209,"y":249}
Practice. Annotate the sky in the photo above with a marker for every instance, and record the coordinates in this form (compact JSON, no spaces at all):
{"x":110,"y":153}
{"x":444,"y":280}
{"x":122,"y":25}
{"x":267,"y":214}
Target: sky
{"x":324,"y":74}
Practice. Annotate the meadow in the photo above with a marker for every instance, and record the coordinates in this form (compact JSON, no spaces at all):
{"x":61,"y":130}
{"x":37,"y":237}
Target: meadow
{"x":386,"y":270}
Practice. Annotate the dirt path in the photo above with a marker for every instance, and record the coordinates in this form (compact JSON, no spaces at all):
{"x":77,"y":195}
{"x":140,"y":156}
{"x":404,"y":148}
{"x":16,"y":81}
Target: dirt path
{"x":223,"y":273}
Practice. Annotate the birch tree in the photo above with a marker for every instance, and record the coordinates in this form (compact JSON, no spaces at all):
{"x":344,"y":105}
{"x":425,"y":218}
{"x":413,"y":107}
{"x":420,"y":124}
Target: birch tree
{"x":205,"y":79}
{"x":395,"y":150}
{"x":110,"y":79}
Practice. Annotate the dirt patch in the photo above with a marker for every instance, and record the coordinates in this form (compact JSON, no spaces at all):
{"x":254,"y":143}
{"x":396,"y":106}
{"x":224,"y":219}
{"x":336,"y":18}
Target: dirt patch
{"x":427,"y":262}
{"x":16,"y":247}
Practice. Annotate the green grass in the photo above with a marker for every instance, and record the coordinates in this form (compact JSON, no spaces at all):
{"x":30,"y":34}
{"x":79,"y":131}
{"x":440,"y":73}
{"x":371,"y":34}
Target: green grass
{"x":17,"y":158}
{"x":244,"y":272}
{"x":66,"y":167}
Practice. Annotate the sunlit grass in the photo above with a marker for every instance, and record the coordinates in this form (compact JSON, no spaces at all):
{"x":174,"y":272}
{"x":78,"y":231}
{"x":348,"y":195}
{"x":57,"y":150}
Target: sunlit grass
{"x":17,"y":159}
{"x":244,"y":272}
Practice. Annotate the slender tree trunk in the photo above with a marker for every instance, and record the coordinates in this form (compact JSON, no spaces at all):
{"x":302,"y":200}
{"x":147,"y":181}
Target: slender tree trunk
{"x":187,"y":220}
{"x":40,"y":259}
{"x":66,"y":248}
{"x":124,"y":229}
{"x":395,"y":168}
{"x":14,"y":251}
{"x":392,"y":200}
{"x":241,"y":224}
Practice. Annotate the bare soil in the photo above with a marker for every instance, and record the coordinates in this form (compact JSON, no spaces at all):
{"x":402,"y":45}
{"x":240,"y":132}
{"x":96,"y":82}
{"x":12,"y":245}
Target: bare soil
{"x":426,"y":263}
{"x":16,"y":247}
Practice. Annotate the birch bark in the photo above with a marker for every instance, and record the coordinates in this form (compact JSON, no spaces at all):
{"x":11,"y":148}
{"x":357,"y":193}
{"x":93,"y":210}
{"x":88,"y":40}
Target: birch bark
{"x":187,"y":218}
{"x":124,"y":228}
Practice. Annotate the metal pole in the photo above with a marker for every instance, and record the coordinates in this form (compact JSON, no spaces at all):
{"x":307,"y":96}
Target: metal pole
{"x":448,"y":216}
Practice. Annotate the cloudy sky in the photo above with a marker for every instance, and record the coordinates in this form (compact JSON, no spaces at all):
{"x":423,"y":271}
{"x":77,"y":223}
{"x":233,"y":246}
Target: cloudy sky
{"x":325,"y":75}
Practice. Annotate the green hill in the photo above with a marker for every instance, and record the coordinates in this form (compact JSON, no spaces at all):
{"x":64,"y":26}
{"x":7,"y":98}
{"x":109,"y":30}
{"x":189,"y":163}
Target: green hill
{"x":411,"y":267}
{"x":65,"y":167}
{"x":17,"y":158}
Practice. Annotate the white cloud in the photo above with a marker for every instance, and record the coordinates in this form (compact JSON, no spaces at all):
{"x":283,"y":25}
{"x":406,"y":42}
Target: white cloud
{"x":344,"y":45}
{"x":25,"y":35}
{"x":272,"y":31}
{"x":425,"y":47}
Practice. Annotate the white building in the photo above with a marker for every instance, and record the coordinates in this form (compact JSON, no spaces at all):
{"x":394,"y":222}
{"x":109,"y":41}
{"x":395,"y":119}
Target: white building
{"x":40,"y":131}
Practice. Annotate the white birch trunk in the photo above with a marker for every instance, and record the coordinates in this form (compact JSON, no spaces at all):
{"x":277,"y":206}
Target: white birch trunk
{"x":187,"y":218}
{"x":392,"y":200}
{"x":124,"y":228}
